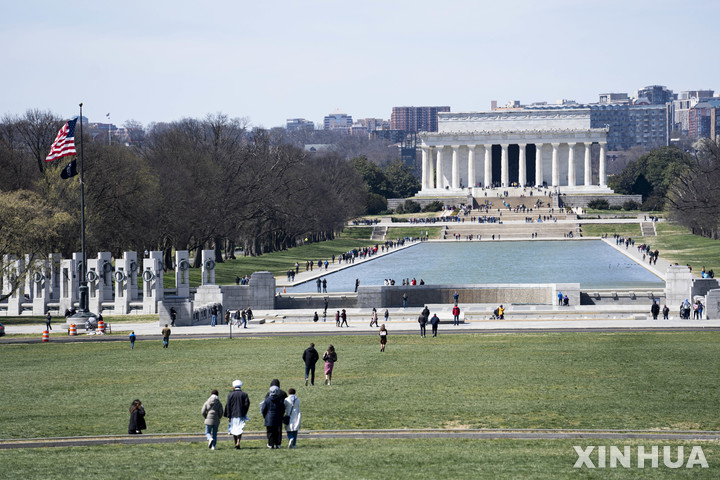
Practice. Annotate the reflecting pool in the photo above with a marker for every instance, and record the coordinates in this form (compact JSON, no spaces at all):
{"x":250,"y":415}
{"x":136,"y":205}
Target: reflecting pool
{"x":591,"y":263}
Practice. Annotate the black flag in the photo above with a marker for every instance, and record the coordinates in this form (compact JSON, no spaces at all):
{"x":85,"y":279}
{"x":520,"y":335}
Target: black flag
{"x":70,"y":170}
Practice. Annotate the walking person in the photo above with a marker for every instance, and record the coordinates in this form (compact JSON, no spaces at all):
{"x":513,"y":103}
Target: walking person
{"x":324,"y":283}
{"x":343,"y":317}
{"x":137,"y":418}
{"x":383,"y":337}
{"x":456,"y":297}
{"x":212,"y":411}
{"x":292,"y":417}
{"x":456,"y":315}
{"x":387,"y":315}
{"x":337,"y":318}
{"x":655,"y":310}
{"x":272,"y":409}
{"x":236,"y":408}
{"x":434,"y":322}
{"x":422,"y":320}
{"x":166,"y":336}
{"x":666,"y":312}
{"x":310,"y":356}
{"x":132,"y":338}
{"x":48,"y":320}
{"x":373,"y":318}
{"x":405,"y":297}
{"x":173,"y":316}
{"x":214,"y":314}
{"x":330,"y":357}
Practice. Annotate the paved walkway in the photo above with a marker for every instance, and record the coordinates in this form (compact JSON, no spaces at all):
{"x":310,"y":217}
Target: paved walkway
{"x":304,"y":435}
{"x":401,"y":321}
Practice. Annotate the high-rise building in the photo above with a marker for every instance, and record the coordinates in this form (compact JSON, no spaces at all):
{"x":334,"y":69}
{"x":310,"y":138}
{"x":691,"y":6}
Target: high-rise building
{"x":338,"y":120}
{"x":656,"y":94}
{"x":681,"y":108}
{"x":416,"y":119}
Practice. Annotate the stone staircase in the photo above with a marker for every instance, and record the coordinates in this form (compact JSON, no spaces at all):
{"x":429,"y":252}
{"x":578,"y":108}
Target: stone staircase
{"x":378,"y":233}
{"x":648,"y":229}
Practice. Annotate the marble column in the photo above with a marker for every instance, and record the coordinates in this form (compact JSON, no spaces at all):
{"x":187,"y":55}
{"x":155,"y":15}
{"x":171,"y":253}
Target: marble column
{"x":571,"y":165}
{"x":504,"y":170}
{"x":538,"y":164}
{"x":425,"y":168}
{"x":522,"y":174}
{"x":455,"y":168}
{"x":439,"y":169}
{"x":471,"y":166}
{"x":588,"y":165}
{"x":488,"y":166}
{"x":603,"y":175}
{"x":555,"y":169}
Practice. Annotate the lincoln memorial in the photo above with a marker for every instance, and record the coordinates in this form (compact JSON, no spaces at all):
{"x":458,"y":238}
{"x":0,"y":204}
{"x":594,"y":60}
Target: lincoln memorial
{"x":514,"y":148}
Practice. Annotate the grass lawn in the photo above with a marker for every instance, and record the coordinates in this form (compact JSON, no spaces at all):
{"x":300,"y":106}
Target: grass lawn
{"x":563,"y":380}
{"x":416,"y":231}
{"x":677,"y":244}
{"x":599,"y":229}
{"x":340,"y":459}
{"x":662,"y":381}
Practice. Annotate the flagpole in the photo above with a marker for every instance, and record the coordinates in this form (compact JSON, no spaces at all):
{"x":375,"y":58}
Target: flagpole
{"x":83,"y":288}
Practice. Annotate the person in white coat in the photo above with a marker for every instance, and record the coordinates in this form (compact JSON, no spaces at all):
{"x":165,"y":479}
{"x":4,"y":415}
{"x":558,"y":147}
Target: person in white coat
{"x":292,"y":415}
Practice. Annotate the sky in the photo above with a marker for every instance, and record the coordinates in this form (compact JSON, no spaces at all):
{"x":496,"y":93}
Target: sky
{"x":267,"y":61}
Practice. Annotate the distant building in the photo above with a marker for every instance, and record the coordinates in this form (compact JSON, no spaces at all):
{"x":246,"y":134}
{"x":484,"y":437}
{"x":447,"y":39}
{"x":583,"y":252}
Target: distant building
{"x":373,"y":124}
{"x":338,"y":120}
{"x":703,"y":118}
{"x":680,"y":109}
{"x":294,"y":124}
{"x":656,"y":94}
{"x":416,"y":119}
{"x":629,"y":125}
{"x":614,"y":98}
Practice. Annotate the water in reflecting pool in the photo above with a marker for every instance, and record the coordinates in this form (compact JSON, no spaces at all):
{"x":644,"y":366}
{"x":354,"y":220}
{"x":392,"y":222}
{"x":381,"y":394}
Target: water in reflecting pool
{"x":591,"y":263}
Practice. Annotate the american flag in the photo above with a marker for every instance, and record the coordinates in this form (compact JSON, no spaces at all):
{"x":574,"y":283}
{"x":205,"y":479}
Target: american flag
{"x":64,"y":143}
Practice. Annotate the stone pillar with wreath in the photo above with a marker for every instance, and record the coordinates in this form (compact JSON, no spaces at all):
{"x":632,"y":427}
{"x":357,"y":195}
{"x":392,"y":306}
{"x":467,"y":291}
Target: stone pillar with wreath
{"x":126,"y":278}
{"x":152,"y":277}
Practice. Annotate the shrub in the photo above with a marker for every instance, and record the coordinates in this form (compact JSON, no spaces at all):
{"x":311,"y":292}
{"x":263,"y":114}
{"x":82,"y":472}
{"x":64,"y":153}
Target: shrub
{"x":599,"y":204}
{"x":434,"y":206}
{"x":631,"y":205}
{"x":400,"y":209}
{"x":412,"y":206}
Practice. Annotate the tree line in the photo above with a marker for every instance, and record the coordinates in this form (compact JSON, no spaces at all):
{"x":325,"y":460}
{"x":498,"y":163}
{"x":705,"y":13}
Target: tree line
{"x":682,"y":183}
{"x":191,"y":184}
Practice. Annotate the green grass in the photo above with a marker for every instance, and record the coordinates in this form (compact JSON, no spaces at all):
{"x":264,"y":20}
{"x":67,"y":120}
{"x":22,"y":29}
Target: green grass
{"x":677,"y":244}
{"x":402,"y":232}
{"x":341,"y":459}
{"x":599,"y":229}
{"x":564,"y":380}
{"x":661,"y":381}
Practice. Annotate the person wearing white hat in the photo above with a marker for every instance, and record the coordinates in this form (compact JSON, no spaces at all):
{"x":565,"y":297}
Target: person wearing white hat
{"x":236,"y":408}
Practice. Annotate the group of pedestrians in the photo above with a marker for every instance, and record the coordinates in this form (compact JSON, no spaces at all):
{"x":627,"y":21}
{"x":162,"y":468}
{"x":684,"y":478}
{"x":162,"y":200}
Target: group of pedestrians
{"x":277,"y":408}
{"x":310,"y":357}
{"x":424,"y":319}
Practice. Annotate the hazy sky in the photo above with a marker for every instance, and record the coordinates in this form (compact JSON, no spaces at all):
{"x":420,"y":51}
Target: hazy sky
{"x":270,"y":60}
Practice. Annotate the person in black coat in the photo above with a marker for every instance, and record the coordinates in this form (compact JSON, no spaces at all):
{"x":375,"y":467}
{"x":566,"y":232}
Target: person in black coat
{"x":236,"y":408}
{"x":137,"y":418}
{"x":310,"y":356}
{"x":422,"y":320}
{"x":655,"y":310}
{"x":434,"y":322}
{"x":273,"y":410}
